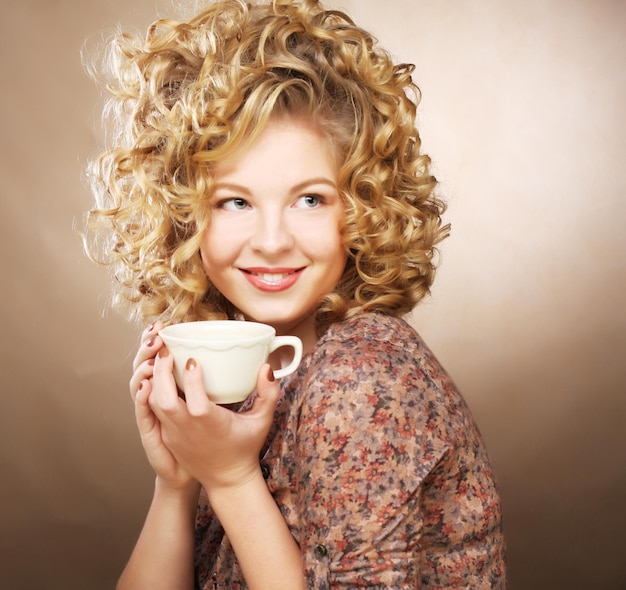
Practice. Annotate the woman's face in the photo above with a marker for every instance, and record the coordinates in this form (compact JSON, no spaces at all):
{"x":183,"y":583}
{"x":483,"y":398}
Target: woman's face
{"x":273,"y":247}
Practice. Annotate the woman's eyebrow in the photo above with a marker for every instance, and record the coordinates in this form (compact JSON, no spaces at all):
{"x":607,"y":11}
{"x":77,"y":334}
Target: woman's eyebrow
{"x":313,"y":181}
{"x":239,"y":188}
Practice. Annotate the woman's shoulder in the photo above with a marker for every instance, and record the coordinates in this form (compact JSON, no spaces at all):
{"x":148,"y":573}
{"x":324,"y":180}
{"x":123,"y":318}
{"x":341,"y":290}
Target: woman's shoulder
{"x":374,"y":336}
{"x":371,"y":326}
{"x":378,"y":347}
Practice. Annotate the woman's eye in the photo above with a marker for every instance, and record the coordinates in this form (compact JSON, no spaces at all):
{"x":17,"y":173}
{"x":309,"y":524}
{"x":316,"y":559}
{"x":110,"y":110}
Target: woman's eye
{"x":234,"y":204}
{"x":309,"y":201}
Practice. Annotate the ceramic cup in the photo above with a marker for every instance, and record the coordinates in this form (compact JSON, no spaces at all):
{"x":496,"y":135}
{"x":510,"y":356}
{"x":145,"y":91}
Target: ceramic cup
{"x":230,"y":352}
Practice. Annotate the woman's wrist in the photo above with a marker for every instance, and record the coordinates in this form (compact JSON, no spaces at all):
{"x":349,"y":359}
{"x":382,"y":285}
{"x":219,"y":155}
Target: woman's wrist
{"x":187,"y":494}
{"x":235,"y":485}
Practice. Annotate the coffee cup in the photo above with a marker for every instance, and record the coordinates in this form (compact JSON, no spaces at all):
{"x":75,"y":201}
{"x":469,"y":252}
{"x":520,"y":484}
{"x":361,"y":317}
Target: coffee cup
{"x":230,"y":352}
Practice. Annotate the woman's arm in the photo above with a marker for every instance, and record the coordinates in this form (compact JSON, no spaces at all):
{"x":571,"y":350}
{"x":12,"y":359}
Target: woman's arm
{"x":395,"y":489}
{"x":220,"y":449}
{"x":163,"y":555}
{"x":267,"y":552}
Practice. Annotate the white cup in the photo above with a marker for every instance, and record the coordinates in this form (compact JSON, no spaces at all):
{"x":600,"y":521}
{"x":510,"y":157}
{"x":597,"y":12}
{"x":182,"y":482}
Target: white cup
{"x":230,"y":352}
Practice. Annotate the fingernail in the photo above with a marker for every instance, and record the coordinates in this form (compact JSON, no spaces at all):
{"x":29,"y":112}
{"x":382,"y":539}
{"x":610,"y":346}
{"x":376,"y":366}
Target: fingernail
{"x":270,"y":374}
{"x":149,"y":342}
{"x":151,"y":362}
{"x":191,"y":365}
{"x":163,"y":353}
{"x":150,"y":328}
{"x":140,"y":387}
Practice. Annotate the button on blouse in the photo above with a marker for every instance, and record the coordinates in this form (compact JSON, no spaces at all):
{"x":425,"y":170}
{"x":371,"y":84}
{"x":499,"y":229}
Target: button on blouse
{"x":320,"y":551}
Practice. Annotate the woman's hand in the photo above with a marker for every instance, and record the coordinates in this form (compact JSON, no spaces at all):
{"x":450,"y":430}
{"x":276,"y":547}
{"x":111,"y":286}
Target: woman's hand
{"x":218,"y":447}
{"x":167,"y":469}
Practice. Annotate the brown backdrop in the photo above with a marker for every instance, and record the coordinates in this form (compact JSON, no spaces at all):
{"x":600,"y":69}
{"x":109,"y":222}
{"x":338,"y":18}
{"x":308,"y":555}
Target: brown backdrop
{"x":523,"y":114}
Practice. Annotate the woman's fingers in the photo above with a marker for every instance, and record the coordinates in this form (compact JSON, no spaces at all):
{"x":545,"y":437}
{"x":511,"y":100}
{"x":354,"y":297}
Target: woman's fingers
{"x":268,"y":392}
{"x":151,"y":343}
{"x":143,"y":362}
{"x":143,"y":413}
{"x":198,"y":402}
{"x":165,"y":393}
{"x":141,"y":374}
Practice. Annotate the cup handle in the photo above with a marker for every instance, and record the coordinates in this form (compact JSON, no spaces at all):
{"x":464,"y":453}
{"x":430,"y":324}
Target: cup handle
{"x":296,"y":344}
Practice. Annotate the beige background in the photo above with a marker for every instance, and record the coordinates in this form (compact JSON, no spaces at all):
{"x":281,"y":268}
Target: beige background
{"x":524,"y":116}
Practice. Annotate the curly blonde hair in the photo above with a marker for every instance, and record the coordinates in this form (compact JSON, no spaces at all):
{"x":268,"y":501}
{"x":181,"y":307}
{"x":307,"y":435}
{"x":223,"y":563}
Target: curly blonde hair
{"x":191,"y":93}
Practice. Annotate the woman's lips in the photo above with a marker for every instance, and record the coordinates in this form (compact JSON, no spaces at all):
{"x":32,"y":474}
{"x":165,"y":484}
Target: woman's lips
{"x":272,"y":279}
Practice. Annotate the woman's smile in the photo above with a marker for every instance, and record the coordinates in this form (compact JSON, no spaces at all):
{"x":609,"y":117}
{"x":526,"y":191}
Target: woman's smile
{"x":272,"y":279}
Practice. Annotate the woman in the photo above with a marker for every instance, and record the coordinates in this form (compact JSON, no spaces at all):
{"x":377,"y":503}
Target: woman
{"x":266,"y":167}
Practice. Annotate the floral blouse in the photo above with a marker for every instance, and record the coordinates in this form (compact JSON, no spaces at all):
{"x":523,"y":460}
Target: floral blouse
{"x":378,"y":468}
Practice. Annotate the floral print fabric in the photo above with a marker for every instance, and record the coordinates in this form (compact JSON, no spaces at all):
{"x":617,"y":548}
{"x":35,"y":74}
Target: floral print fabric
{"x":378,"y":468}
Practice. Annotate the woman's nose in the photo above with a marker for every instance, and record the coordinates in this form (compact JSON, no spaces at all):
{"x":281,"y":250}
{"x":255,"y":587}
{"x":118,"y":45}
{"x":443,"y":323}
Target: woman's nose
{"x":272,"y":234}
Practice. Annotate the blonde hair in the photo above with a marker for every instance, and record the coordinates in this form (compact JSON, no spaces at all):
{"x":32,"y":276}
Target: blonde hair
{"x":191,"y":93}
